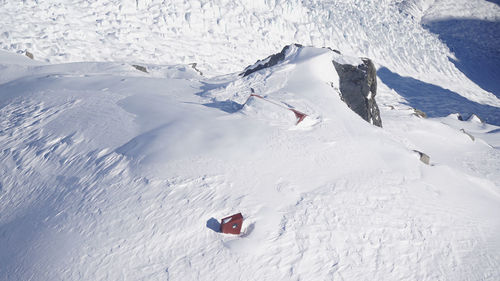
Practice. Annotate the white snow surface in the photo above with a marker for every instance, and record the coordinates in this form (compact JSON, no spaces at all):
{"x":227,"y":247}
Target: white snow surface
{"x":110,"y":173}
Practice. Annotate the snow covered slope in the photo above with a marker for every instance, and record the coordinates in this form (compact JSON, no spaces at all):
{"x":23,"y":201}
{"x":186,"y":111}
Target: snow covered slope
{"x":111,"y":173}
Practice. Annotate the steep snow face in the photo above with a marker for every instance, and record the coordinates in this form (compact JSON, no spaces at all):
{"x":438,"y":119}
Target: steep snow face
{"x":107,"y":172}
{"x":225,"y":36}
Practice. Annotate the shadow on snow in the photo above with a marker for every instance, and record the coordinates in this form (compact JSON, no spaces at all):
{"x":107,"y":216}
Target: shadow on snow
{"x":228,"y":106}
{"x":434,"y":100}
{"x":476,"y":45}
{"x":494,"y":1}
{"x":213,"y":224}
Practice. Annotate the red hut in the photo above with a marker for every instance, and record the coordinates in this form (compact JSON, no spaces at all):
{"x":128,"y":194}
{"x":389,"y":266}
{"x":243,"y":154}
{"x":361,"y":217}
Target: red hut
{"x":232,"y":224}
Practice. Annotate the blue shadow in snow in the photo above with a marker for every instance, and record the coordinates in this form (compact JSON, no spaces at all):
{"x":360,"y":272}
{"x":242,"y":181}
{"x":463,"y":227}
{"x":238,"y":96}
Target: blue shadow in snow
{"x":494,"y":1}
{"x":213,"y":224}
{"x":476,"y":45}
{"x":434,"y":100}
{"x":226,"y":106}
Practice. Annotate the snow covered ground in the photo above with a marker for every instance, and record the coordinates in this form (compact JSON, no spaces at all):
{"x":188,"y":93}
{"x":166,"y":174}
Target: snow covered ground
{"x":110,"y":173}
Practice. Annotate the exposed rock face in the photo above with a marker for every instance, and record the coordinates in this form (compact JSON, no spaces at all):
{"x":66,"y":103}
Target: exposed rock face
{"x":140,"y":68}
{"x":193,"y":66}
{"x":423,"y":157}
{"x":358,"y":87}
{"x":29,"y":55}
{"x":270,"y":61}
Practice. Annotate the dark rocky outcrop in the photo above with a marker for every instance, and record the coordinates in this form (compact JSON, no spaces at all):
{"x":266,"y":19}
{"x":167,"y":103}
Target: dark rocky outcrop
{"x":419,"y":113}
{"x":29,"y":55}
{"x":358,"y":87}
{"x":140,"y":68}
{"x":457,"y":116}
{"x":270,"y":61}
{"x":334,"y":50}
{"x":358,"y":83}
{"x":193,"y":66}
{"x":423,"y":157}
